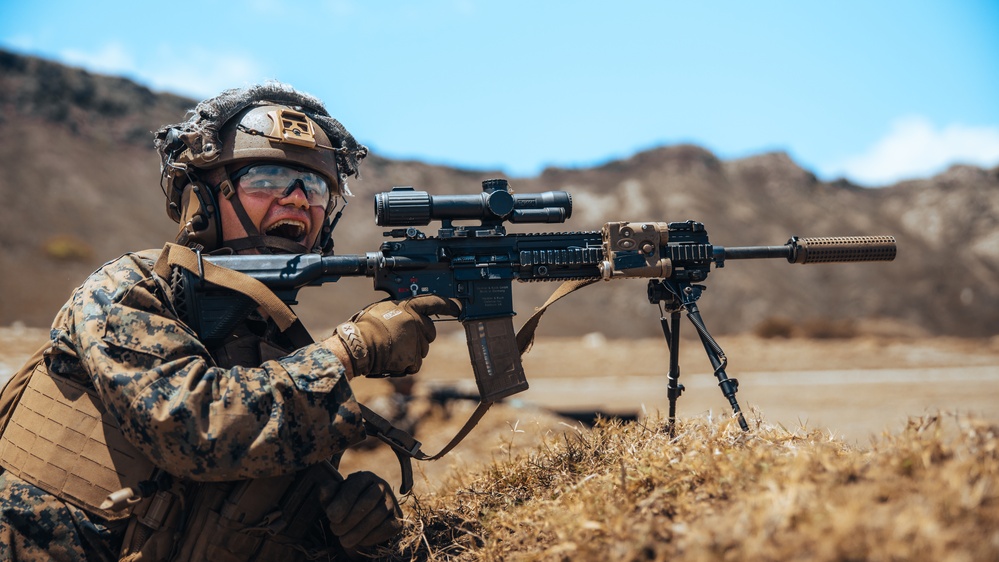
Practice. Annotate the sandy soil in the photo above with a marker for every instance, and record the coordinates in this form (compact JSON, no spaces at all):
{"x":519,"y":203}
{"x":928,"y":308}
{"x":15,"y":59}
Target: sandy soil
{"x":856,"y":388}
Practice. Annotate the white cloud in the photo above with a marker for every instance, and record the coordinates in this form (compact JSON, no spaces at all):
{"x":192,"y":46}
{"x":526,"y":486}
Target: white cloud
{"x":25,"y":43}
{"x":200,"y":73}
{"x":193,"y":71}
{"x":914,"y":148}
{"x":112,"y":58}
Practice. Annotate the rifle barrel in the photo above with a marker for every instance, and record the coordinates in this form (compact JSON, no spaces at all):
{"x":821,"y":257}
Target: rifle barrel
{"x":754,"y":252}
{"x":829,"y":249}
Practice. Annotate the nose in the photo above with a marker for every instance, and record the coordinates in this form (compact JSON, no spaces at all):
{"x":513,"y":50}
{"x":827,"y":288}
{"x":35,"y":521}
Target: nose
{"x":295,"y":195}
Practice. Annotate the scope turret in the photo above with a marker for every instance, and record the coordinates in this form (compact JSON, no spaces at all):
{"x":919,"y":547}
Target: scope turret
{"x":404,"y":206}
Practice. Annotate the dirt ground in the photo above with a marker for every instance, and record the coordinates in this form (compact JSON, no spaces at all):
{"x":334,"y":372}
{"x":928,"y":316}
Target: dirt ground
{"x":856,"y":388}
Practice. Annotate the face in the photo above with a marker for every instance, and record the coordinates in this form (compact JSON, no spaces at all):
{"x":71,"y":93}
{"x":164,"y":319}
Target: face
{"x":275,"y":206}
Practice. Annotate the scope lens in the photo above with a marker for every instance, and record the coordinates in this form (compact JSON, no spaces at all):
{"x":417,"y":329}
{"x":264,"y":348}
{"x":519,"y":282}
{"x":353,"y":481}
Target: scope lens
{"x":403,"y":208}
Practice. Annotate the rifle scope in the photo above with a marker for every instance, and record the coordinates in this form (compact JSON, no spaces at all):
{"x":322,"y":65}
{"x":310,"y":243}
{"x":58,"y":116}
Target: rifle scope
{"x":403,"y":206}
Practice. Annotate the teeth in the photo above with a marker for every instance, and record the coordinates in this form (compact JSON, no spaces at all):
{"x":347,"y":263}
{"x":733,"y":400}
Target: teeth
{"x":288,"y":228}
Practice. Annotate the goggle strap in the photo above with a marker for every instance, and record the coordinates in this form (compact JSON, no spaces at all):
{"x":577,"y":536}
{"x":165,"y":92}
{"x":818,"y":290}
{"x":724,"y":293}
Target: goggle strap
{"x":244,"y":219}
{"x":339,"y":214}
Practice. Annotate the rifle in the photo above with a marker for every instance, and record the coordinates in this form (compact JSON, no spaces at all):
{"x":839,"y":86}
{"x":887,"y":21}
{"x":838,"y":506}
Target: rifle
{"x":477,"y":264}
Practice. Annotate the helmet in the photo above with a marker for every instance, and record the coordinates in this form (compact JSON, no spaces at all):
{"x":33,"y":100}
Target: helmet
{"x":266,"y":122}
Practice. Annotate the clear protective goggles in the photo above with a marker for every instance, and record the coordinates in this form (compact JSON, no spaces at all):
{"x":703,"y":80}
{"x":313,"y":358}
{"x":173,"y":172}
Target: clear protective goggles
{"x":280,"y":180}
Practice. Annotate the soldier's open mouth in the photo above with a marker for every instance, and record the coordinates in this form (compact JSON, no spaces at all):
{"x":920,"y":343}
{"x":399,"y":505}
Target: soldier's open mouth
{"x":291,"y":229}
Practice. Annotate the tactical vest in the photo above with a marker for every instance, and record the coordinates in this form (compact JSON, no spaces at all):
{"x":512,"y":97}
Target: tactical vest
{"x":56,"y":434}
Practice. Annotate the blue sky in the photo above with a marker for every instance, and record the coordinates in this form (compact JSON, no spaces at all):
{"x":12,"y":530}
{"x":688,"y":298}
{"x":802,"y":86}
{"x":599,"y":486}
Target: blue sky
{"x":871,"y":91}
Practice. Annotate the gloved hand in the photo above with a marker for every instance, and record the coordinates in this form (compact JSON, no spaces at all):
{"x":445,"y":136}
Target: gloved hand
{"x":393,"y":337}
{"x":362,"y":510}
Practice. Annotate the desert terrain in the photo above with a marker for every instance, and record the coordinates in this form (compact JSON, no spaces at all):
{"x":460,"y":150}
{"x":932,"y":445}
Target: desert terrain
{"x":854,"y":388}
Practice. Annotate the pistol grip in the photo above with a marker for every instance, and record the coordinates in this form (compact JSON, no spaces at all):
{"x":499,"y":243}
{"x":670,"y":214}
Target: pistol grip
{"x":492,"y":347}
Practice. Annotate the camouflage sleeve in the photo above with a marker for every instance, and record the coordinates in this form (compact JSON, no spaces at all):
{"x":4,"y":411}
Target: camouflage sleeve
{"x":190,"y":417}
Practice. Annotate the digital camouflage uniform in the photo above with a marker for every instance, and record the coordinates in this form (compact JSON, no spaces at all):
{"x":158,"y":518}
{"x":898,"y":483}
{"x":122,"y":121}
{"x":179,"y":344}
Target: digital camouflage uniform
{"x":120,"y":332}
{"x":37,"y":526}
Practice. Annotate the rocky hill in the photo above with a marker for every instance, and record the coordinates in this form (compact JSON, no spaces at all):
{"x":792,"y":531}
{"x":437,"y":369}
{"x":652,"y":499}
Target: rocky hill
{"x":80,"y":186}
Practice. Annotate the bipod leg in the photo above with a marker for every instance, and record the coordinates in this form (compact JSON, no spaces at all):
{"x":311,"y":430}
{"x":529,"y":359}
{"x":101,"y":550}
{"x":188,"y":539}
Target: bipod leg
{"x":718,"y":361}
{"x":671,"y":330}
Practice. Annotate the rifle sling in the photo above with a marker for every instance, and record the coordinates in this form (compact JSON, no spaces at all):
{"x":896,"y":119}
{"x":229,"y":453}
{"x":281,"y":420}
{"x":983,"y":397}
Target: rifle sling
{"x":525,"y":336}
{"x":406,"y":447}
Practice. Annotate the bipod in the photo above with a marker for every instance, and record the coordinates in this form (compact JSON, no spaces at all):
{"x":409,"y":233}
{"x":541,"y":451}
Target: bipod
{"x":674,"y":296}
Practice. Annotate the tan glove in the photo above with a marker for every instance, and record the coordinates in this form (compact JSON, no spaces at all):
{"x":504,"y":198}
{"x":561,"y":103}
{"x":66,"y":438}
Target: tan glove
{"x":362,"y":510}
{"x":393,"y":337}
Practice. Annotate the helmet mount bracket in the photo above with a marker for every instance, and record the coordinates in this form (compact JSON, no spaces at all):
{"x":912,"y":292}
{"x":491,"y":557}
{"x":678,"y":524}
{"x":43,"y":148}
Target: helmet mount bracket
{"x":293,"y":127}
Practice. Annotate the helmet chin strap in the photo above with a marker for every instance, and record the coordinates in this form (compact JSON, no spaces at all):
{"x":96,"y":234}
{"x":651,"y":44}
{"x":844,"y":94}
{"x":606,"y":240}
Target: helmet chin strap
{"x":263,"y":243}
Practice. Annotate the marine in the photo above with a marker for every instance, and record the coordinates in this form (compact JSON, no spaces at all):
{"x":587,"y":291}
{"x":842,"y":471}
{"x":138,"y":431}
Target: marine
{"x":130,"y":437}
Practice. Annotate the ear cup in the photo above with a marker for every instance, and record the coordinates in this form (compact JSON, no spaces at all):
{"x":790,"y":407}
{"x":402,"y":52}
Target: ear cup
{"x":199,"y":223}
{"x":199,"y":220}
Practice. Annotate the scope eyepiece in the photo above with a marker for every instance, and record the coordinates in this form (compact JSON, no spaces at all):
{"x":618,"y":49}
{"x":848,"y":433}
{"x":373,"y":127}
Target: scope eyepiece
{"x":404,"y":206}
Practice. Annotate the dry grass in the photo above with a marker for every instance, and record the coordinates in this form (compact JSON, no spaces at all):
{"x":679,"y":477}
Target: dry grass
{"x":713,"y":492}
